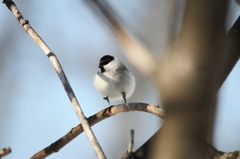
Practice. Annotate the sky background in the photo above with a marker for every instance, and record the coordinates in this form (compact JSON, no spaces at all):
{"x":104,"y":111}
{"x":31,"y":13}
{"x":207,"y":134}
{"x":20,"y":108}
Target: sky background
{"x":34,"y":108}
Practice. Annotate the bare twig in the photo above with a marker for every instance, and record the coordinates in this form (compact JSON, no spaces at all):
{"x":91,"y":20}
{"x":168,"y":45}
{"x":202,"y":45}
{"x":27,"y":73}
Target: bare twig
{"x":129,"y":153}
{"x":5,"y":151}
{"x":26,"y":26}
{"x":92,"y":120}
{"x":138,"y":55}
{"x":131,"y":142}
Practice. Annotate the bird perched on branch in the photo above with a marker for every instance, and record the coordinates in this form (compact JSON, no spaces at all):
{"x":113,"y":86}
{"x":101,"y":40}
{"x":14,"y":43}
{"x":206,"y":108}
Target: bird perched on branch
{"x":114,"y":81}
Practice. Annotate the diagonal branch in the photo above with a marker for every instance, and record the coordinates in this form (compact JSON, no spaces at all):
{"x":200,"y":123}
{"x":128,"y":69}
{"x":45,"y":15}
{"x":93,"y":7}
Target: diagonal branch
{"x":232,"y":39}
{"x":52,"y":57}
{"x":139,"y":56}
{"x":92,"y":120}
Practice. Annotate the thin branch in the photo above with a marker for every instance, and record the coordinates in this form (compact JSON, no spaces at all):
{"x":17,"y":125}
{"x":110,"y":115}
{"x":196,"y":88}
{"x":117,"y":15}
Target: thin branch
{"x":138,"y":55}
{"x":94,"y":119}
{"x":5,"y":151}
{"x":26,"y":26}
{"x":129,"y":153}
{"x":232,"y":39}
{"x":131,"y":142}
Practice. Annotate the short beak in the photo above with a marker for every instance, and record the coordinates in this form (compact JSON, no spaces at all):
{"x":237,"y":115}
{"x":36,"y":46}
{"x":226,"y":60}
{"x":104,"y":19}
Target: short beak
{"x":101,"y":68}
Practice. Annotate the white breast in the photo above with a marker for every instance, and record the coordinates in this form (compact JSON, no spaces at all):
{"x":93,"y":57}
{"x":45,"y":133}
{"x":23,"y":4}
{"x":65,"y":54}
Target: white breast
{"x":111,"y":84}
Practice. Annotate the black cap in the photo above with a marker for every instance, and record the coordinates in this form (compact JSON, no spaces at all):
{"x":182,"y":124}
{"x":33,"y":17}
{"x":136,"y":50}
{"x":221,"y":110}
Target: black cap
{"x":105,"y":60}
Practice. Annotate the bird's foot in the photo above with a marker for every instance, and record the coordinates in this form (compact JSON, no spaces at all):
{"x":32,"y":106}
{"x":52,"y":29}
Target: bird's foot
{"x":107,"y":99}
{"x":124,"y":97}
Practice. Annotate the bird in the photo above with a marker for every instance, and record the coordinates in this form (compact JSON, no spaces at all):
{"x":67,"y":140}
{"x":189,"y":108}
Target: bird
{"x":114,"y":80}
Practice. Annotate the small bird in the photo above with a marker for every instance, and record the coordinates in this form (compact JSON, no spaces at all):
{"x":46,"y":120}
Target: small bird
{"x":114,"y":81}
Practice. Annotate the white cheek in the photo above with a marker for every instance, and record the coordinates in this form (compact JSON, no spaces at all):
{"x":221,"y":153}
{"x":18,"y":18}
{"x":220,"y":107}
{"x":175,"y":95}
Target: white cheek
{"x":113,"y":65}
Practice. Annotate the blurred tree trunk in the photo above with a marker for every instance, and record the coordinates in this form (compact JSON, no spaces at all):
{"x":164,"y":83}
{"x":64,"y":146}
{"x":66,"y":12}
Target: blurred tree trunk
{"x":187,"y":81}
